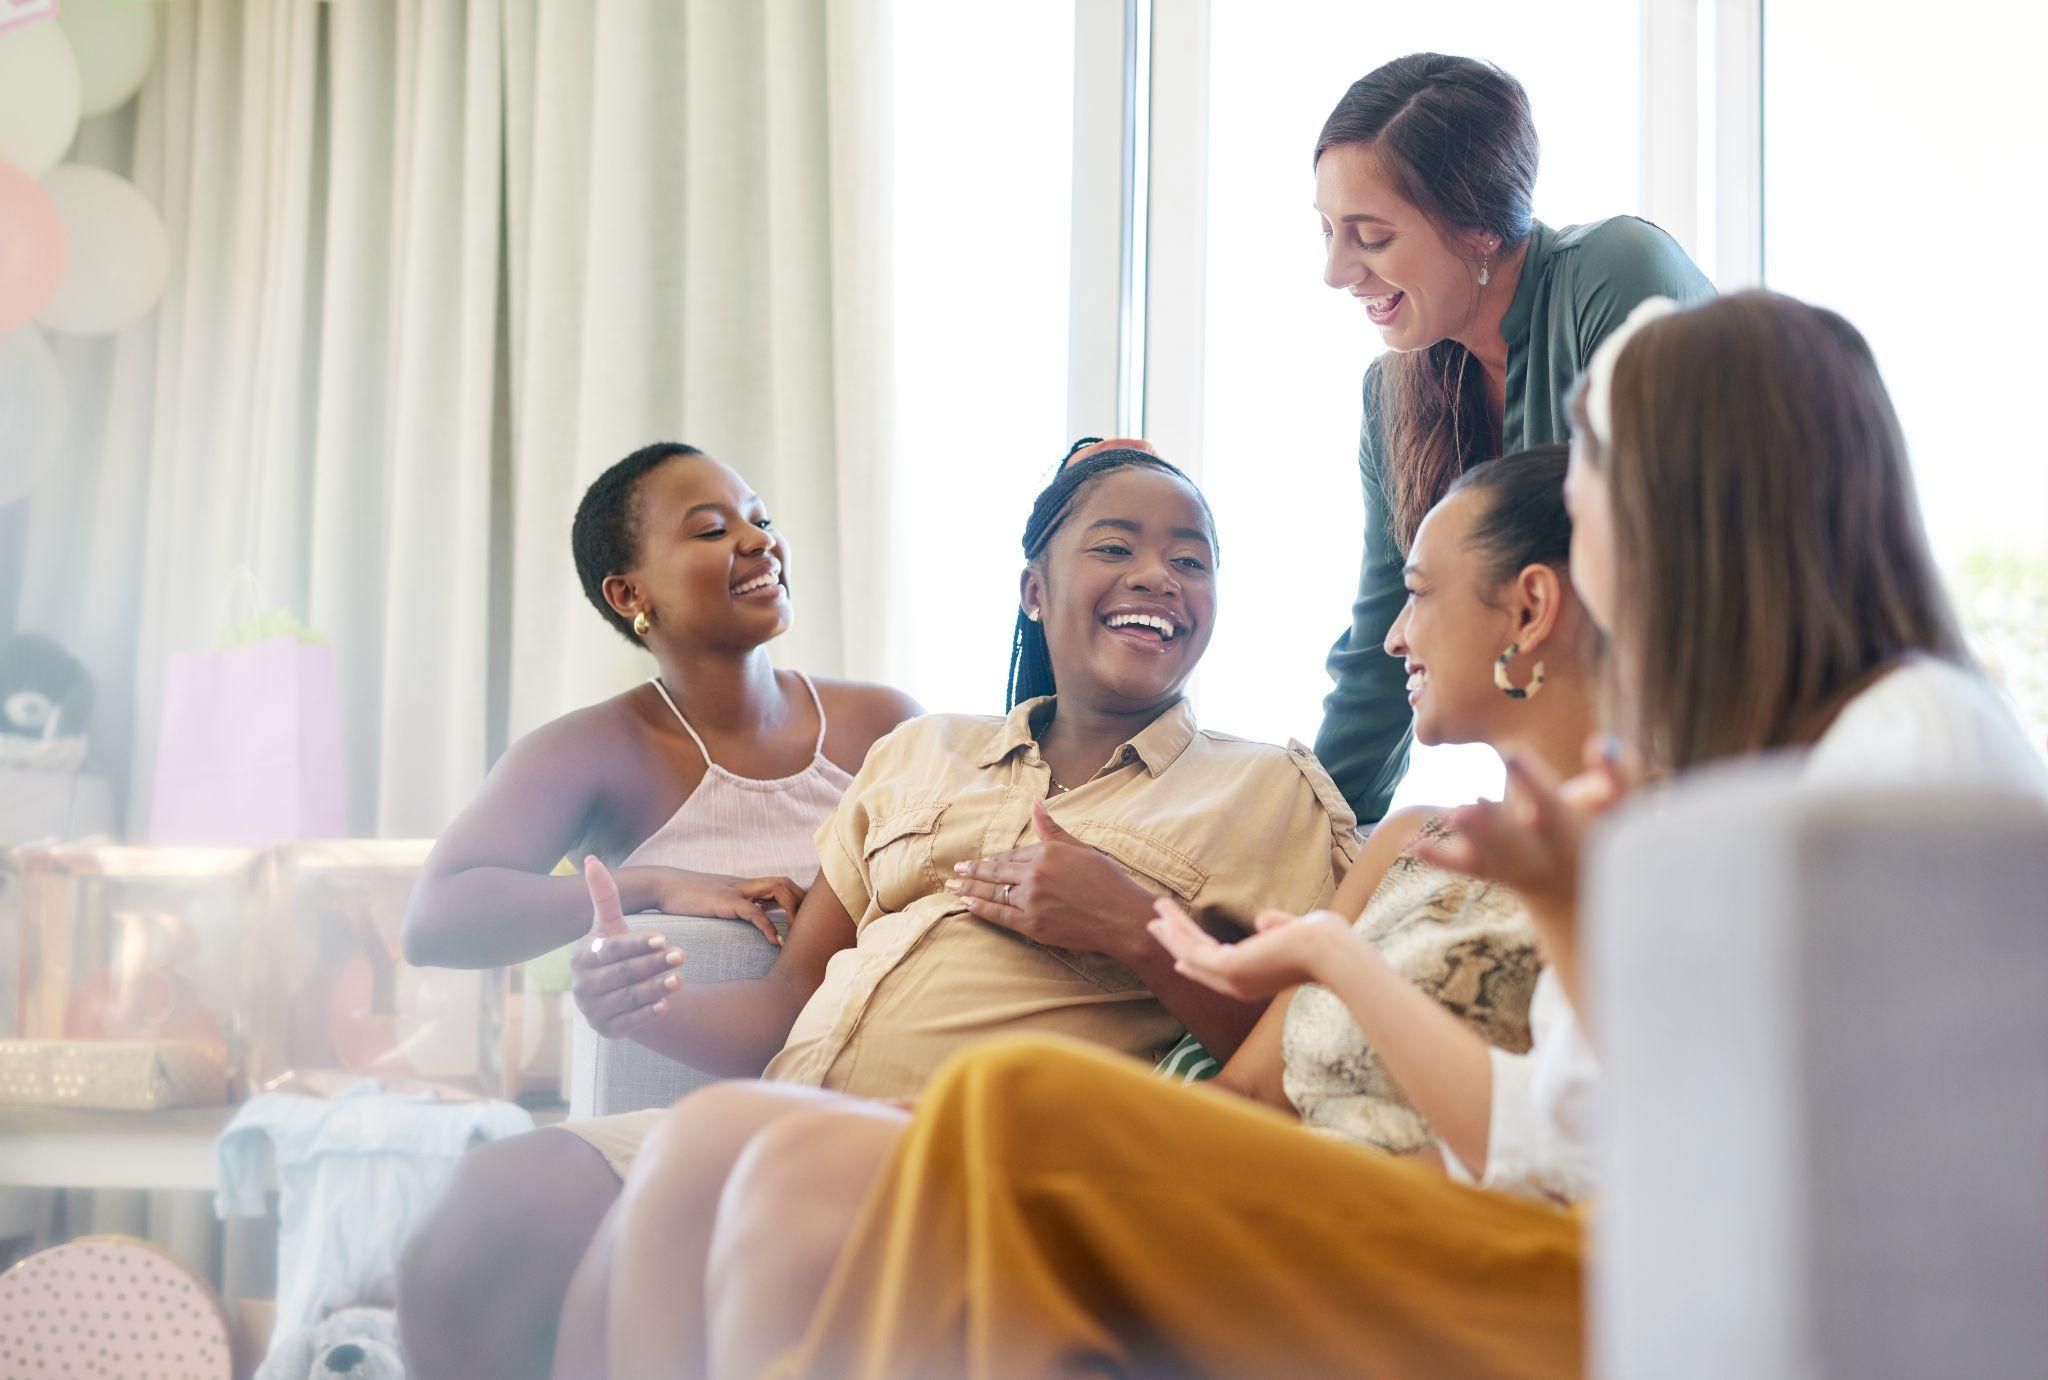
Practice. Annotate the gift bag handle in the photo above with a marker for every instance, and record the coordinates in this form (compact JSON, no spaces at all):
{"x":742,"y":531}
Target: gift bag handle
{"x":245,"y":587}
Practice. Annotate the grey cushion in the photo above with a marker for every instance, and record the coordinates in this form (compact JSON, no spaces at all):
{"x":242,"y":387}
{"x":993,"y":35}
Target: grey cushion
{"x":609,"y":1076}
{"x":1824,"y":1018}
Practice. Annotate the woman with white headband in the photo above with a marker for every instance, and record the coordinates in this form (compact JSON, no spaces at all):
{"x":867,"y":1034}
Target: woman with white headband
{"x":1051,"y":1211}
{"x":1424,"y":173}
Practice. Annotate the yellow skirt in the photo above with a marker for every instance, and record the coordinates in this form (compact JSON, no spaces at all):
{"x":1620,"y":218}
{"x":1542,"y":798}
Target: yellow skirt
{"x":1055,"y":1211}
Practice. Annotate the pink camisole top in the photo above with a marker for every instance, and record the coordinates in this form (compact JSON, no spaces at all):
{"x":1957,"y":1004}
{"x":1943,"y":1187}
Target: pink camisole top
{"x":739,"y":826}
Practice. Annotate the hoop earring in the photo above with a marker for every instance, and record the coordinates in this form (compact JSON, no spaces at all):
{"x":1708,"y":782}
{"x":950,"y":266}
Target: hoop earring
{"x":1507,"y":687}
{"x":641,"y":627}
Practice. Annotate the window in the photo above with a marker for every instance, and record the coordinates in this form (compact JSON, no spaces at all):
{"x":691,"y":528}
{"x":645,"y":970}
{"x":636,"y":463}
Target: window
{"x":983,"y":176}
{"x":1909,"y":198}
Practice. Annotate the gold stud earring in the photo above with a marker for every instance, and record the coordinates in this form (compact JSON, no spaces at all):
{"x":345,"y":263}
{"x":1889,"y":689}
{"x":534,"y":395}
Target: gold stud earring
{"x":641,"y":626}
{"x":1507,"y":687}
{"x":1032,"y":614}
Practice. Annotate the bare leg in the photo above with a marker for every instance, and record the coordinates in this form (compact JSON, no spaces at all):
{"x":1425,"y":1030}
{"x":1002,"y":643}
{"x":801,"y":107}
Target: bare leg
{"x":789,"y":1205}
{"x":482,"y":1280}
{"x":580,"y":1334}
{"x":664,"y":1223}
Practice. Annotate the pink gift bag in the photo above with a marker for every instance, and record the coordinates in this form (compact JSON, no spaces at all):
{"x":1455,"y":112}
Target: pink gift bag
{"x":249,"y":752}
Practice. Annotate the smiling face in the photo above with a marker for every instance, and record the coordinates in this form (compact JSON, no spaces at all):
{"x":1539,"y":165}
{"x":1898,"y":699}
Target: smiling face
{"x":1417,"y":284}
{"x":1451,"y":630}
{"x":712,"y":570}
{"x":1126,"y":590}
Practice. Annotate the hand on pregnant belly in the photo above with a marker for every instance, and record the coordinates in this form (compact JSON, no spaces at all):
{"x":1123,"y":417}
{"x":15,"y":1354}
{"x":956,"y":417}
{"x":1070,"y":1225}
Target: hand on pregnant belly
{"x":621,"y":980}
{"x":1058,"y":892}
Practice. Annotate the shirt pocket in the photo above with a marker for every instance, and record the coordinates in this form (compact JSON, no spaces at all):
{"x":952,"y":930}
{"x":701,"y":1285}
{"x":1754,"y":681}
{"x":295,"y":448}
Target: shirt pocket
{"x":898,"y":855}
{"x":1152,"y":865}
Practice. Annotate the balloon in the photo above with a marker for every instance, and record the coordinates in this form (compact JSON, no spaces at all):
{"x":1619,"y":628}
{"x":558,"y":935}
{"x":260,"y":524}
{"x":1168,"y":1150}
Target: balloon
{"x":32,"y":408}
{"x":39,"y":96}
{"x":120,"y":255}
{"x":115,"y":45}
{"x":31,"y":248}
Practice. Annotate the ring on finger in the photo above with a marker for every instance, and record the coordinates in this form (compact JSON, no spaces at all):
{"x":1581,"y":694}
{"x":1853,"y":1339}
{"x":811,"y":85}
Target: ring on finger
{"x":1006,"y":893}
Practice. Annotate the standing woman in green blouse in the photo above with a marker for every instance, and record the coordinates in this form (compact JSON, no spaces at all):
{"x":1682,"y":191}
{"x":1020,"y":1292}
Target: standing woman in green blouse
{"x":1424,"y":173}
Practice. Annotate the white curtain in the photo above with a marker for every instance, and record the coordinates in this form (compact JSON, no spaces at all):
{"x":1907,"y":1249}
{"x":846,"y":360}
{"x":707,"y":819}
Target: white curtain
{"x":436,"y":264}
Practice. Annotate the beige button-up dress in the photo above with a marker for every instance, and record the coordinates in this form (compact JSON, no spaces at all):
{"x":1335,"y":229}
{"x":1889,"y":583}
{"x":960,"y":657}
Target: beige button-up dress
{"x":1216,"y":821}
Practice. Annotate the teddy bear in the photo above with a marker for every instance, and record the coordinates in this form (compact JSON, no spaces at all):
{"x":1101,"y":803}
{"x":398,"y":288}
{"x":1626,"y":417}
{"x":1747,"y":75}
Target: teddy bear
{"x":44,"y":691}
{"x":358,"y":1343}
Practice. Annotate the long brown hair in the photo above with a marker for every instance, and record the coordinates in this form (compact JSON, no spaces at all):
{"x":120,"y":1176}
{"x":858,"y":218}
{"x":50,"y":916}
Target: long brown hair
{"x":1769,"y":555}
{"x":1456,"y":137}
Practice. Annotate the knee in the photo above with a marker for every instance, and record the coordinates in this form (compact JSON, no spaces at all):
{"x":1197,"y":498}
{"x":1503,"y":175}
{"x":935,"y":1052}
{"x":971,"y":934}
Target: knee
{"x":794,"y":1160}
{"x":506,"y":1211}
{"x":795,"y":1187}
{"x":687,"y":1154}
{"x":1022,"y":1076}
{"x":468,"y":1222}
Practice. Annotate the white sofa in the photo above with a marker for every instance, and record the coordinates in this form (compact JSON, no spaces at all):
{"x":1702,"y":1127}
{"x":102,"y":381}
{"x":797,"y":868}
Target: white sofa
{"x":1824,"y":1019}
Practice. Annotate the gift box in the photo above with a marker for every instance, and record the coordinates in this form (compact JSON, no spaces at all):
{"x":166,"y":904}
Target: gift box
{"x":139,"y":944}
{"x":116,"y":1075}
{"x":340,"y":995}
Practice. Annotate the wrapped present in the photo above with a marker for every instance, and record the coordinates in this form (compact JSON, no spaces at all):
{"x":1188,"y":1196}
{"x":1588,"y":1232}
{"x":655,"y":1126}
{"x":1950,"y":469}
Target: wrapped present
{"x":139,"y":944}
{"x":115,"y":1075}
{"x":339,"y":993}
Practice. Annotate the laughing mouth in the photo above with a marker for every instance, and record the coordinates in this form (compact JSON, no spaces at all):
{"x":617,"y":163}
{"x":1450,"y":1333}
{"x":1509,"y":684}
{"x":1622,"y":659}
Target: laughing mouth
{"x":771,"y":576}
{"x":1166,"y":628}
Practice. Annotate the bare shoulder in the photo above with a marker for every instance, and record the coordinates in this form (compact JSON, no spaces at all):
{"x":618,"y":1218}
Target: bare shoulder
{"x":1382,"y":846}
{"x":1392,"y":835}
{"x":604,"y":746}
{"x":610,"y":726}
{"x":870,"y":712}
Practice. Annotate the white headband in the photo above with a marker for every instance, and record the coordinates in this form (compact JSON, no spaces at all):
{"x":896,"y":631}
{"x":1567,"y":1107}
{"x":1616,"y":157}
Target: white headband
{"x":1600,"y":369}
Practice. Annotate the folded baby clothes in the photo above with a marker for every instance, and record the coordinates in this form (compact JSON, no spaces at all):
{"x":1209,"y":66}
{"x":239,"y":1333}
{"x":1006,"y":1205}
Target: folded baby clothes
{"x":356,"y":1173}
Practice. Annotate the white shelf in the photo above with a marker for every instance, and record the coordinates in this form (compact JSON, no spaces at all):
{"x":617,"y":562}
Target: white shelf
{"x":65,"y":1147}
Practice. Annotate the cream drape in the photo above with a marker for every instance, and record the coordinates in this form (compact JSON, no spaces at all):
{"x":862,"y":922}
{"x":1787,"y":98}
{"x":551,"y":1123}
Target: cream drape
{"x":436,"y":264}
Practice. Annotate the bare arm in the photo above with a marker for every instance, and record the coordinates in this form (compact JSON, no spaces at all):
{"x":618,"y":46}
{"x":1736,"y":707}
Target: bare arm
{"x":728,"y":1028}
{"x":1258,"y":1070}
{"x":1220,"y":1022}
{"x":1443,"y":1066}
{"x":1382,"y":846}
{"x":485,"y":896}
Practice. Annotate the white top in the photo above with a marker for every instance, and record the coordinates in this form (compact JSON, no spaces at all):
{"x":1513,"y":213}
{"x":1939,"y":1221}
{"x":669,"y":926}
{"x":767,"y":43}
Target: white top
{"x":1928,"y":722}
{"x":1539,"y":1141}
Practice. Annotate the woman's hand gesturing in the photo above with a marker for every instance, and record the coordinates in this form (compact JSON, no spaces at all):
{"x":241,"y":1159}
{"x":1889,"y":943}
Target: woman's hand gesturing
{"x":1287,"y":951}
{"x":620,"y":980}
{"x":1534,"y":841}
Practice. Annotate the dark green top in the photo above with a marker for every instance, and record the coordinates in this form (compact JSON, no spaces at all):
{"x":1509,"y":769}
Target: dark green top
{"x":1577,"y":284}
